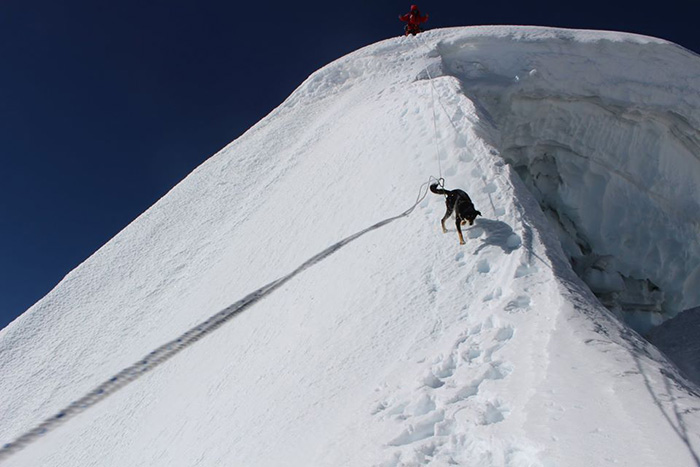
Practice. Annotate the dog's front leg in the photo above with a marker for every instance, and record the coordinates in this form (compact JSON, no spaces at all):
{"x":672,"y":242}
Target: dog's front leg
{"x":459,"y":231}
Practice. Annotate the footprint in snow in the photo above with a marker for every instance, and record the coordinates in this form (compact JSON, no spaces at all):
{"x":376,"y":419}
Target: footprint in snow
{"x":514,"y":241}
{"x":490,"y":188}
{"x":451,"y":398}
{"x":494,"y":412}
{"x":432,"y":381}
{"x":483,"y":266}
{"x":424,"y":428}
{"x":493,"y":295}
{"x":504,"y":334}
{"x":451,"y":171}
{"x":524,"y":270}
{"x":471,"y":354}
{"x":520,"y":303}
{"x":466,"y":156}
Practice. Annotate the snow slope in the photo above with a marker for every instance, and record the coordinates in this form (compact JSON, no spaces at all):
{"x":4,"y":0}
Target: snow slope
{"x":399,"y":346}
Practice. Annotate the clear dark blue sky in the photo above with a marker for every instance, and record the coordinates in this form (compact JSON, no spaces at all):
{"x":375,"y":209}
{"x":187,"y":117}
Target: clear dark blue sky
{"x":104,"y":106}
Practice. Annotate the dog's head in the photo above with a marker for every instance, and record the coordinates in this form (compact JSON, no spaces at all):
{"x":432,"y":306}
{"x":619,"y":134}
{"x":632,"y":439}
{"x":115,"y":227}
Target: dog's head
{"x":472,"y":215}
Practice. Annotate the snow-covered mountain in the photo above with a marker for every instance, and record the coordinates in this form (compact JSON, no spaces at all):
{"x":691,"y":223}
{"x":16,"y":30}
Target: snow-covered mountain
{"x":386,"y":342}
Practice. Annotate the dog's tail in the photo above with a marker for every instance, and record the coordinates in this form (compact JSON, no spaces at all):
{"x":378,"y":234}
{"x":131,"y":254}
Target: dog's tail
{"x":438,"y":191}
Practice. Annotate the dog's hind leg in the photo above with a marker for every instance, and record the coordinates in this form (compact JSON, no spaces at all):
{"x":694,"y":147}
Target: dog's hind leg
{"x":442,"y":221}
{"x":450,"y":207}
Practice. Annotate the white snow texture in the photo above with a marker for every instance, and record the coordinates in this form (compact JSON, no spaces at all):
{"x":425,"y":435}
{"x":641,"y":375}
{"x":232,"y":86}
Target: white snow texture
{"x":398,"y":347}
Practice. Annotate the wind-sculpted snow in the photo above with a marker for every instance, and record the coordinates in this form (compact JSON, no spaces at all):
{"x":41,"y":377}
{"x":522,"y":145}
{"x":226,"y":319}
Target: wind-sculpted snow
{"x":402,"y":348}
{"x":606,"y":135}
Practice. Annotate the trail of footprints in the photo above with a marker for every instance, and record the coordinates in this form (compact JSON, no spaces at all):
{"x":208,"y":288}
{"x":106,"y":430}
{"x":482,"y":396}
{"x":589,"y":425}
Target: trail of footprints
{"x":451,"y":399}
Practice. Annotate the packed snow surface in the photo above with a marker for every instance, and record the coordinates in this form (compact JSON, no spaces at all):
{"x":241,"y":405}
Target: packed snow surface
{"x":388,"y":343}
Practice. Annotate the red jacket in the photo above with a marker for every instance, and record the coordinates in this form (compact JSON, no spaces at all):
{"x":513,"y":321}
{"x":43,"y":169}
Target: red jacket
{"x":413,"y":18}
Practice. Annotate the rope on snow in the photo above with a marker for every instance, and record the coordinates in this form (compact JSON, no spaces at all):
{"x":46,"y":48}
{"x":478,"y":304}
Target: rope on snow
{"x":170,"y":349}
{"x":449,"y":118}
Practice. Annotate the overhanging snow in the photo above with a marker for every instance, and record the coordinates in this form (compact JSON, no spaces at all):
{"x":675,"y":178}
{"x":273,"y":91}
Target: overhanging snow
{"x":610,"y":148}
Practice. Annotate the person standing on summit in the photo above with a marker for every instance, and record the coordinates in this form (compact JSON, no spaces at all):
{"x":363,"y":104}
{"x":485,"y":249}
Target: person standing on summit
{"x":414,"y":20}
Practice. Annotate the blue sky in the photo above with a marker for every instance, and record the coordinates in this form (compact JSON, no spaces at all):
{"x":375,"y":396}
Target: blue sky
{"x":105,"y":106}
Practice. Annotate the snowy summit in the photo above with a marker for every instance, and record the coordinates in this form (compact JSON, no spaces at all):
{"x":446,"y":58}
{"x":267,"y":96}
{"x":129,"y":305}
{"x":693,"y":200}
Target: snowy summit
{"x":284,"y":305}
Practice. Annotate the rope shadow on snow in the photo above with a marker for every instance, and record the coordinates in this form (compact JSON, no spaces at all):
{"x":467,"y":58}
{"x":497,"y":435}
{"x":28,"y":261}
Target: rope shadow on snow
{"x":674,"y":419}
{"x":674,"y":416}
{"x":175,"y":346}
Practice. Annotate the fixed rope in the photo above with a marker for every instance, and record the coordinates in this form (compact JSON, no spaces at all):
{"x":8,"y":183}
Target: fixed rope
{"x":441,"y":180}
{"x":175,"y":346}
{"x":452,"y":123}
{"x":435,"y":127}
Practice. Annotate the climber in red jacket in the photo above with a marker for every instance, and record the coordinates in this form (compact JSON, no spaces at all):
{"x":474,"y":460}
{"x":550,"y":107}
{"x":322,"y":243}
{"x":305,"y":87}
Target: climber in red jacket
{"x":414,"y":20}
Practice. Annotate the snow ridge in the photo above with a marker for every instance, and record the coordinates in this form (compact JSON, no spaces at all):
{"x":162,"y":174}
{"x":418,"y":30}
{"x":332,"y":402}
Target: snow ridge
{"x":402,"y":348}
{"x":613,"y":161}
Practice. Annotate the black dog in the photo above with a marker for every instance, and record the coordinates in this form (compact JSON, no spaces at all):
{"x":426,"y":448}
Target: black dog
{"x":459,"y":202}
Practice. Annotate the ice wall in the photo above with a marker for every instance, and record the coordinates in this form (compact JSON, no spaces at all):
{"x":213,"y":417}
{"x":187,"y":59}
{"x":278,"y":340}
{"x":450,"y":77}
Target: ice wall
{"x":611,"y":150}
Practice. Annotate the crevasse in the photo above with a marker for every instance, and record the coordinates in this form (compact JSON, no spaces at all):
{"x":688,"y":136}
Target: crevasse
{"x":613,"y":162}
